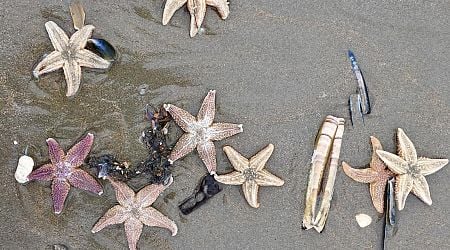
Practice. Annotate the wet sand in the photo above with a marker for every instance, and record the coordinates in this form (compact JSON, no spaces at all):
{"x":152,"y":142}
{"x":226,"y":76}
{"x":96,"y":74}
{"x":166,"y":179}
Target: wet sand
{"x":279,"y":68}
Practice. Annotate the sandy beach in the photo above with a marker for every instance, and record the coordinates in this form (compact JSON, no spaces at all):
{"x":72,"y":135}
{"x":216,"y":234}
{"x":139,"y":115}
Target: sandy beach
{"x":279,"y":67}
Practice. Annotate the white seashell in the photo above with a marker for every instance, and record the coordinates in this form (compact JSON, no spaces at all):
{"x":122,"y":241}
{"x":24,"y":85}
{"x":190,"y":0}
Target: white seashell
{"x":24,"y":168}
{"x":363,"y":220}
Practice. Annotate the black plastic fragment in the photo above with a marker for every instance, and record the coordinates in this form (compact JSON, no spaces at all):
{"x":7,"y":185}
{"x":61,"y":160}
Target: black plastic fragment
{"x":206,"y":190}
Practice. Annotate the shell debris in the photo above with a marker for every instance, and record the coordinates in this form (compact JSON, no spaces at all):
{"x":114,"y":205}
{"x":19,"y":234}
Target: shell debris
{"x":363,"y":220}
{"x":24,"y":168}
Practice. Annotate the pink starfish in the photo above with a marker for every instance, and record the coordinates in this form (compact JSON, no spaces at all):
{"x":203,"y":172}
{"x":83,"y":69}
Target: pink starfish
{"x":64,"y":171}
{"x":135,"y":211}
{"x":200,"y":131}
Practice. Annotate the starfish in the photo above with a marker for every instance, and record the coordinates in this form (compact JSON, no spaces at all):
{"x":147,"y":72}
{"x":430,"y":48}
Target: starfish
{"x":411,"y":170}
{"x":134,"y":211}
{"x":200,"y":132}
{"x":197,"y":9}
{"x":250,"y":173}
{"x":70,"y":55}
{"x":64,"y":171}
{"x":377,"y":175}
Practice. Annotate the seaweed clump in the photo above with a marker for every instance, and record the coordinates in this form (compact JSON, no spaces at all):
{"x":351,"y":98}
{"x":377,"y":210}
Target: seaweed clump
{"x":156,"y":168}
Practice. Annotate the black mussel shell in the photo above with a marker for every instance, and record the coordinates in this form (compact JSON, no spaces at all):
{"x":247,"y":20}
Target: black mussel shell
{"x":102,"y":48}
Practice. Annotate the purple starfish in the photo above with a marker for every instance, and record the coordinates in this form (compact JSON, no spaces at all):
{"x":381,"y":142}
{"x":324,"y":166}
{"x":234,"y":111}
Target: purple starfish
{"x":64,"y":171}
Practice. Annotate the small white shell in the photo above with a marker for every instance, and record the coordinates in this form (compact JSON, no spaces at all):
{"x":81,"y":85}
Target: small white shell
{"x":363,"y":220}
{"x":24,"y":168}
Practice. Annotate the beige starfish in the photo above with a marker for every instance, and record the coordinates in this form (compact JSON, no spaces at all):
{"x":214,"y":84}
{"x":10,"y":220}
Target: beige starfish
{"x":411,"y":170}
{"x":70,"y":55}
{"x":377,"y":175}
{"x":200,"y":131}
{"x":250,"y":173}
{"x":134,"y":210}
{"x":197,"y":9}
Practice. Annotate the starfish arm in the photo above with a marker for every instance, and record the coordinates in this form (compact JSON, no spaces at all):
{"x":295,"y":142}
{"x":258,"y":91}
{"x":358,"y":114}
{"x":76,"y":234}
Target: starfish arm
{"x":44,"y":173}
{"x":265,"y":178}
{"x":366,"y":175}
{"x":377,"y":190}
{"x":206,"y":113}
{"x":207,"y":152}
{"x":51,"y":62}
{"x":250,"y":189}
{"x":393,"y":162}
{"x":153,"y":218}
{"x":133,"y":230}
{"x":79,"y":39}
{"x":184,"y":146}
{"x":194,"y":27}
{"x":57,"y":36}
{"x":429,"y":166}
{"x":221,"y":6}
{"x":170,"y":8}
{"x":238,"y":161}
{"x":86,"y":58}
{"x":406,"y":148}
{"x":403,"y":186}
{"x":376,"y":163}
{"x":114,"y":215}
{"x":197,"y":8}
{"x":259,"y":160}
{"x":72,"y":73}
{"x":82,"y":180}
{"x":219,"y":131}
{"x":421,"y":189}
{"x":124,"y":194}
{"x":60,"y":190}
{"x":76,"y":155}
{"x":147,"y":195}
{"x":55,"y":152}
{"x":181,"y":117}
{"x":233,"y":178}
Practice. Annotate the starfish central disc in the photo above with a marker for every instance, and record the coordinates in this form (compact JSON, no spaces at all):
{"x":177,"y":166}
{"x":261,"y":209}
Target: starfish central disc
{"x":249,"y":174}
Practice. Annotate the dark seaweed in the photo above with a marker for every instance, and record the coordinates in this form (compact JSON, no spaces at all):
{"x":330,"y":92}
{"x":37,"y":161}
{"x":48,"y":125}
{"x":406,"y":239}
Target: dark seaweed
{"x":156,"y":168}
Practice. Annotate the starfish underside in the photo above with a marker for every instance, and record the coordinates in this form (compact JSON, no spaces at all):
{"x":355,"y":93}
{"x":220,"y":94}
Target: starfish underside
{"x":134,"y":210}
{"x":70,"y":54}
{"x":197,"y":9}
{"x":250,"y":173}
{"x":64,"y":171}
{"x":377,"y":175}
{"x":200,"y":131}
{"x":411,"y":170}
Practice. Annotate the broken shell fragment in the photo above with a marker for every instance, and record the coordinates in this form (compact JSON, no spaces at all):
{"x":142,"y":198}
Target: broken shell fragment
{"x":24,"y":168}
{"x":363,"y":220}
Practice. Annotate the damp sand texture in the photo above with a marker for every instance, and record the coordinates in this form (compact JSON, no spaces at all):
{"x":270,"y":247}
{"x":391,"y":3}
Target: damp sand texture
{"x":278,"y":67}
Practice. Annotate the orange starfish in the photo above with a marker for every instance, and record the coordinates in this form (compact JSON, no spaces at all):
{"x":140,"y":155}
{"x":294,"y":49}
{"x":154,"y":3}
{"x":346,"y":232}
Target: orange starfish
{"x":135,"y":211}
{"x":377,"y":175}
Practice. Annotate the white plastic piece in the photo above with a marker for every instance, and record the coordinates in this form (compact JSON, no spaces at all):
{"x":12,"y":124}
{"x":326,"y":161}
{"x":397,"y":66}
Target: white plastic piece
{"x":24,"y":168}
{"x":363,"y":220}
